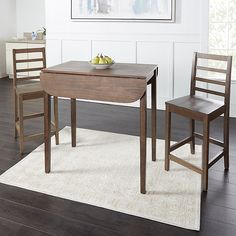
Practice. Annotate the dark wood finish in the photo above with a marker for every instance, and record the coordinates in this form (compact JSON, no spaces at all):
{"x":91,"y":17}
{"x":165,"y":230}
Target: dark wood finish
{"x":29,"y":60}
{"x":209,"y":91}
{"x":211,"y":69}
{"x":185,"y":163}
{"x":114,"y":85}
{"x":210,"y":81}
{"x":143,"y":141}
{"x":112,"y":89}
{"x":203,"y":109}
{"x":29,"y":69}
{"x":56,"y":119}
{"x":118,"y":70}
{"x":205,"y":153}
{"x":121,"y":83}
{"x":73,"y":122}
{"x":192,"y":131}
{"x":215,"y":159}
{"x":211,"y":140}
{"x":218,"y":214}
{"x":47,"y":131}
{"x":154,"y":113}
{"x":226,"y":114}
{"x":28,"y":88}
{"x":180,"y":143}
{"x":21,"y":125}
{"x":167,"y":137}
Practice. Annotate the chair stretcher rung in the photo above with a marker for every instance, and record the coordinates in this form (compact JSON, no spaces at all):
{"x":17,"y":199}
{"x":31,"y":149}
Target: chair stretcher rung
{"x":211,"y":140}
{"x":33,"y":136}
{"x":216,"y":158}
{"x":18,"y":126}
{"x":180,"y":143}
{"x":33,"y":116}
{"x":185,"y":163}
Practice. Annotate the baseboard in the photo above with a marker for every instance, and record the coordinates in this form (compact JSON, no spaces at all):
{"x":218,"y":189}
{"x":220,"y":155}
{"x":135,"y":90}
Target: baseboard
{"x":161,"y":105}
{"x":3,"y":75}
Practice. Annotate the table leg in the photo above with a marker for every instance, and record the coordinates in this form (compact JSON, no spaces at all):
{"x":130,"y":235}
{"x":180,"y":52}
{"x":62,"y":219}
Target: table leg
{"x":73,"y":122}
{"x":154,"y":119}
{"x":47,"y":131}
{"x":143,"y":141}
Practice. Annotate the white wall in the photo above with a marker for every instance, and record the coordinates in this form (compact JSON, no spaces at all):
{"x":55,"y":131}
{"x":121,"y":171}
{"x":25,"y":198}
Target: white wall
{"x":30,"y":15}
{"x":170,"y":45}
{"x":7,"y":30}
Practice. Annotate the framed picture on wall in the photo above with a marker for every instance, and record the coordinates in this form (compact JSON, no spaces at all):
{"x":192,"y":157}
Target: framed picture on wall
{"x":123,"y":10}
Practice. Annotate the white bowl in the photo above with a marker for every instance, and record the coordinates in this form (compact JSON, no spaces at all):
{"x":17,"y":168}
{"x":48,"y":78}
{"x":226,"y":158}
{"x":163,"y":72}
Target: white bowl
{"x":101,"y":66}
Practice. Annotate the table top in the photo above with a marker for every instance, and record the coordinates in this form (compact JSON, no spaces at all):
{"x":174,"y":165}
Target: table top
{"x":127,"y":70}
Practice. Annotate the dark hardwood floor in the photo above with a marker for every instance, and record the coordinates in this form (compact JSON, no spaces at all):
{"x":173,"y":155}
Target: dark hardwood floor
{"x":24,"y":212}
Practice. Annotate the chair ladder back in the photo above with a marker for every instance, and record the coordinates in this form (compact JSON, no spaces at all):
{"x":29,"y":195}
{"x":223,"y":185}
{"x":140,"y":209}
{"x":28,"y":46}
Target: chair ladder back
{"x":227,"y":72}
{"x":28,"y":51}
{"x":193,"y":75}
{"x":228,"y":84}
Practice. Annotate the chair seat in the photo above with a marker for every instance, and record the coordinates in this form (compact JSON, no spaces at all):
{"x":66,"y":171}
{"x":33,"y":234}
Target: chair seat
{"x":196,"y":104}
{"x":31,"y":88}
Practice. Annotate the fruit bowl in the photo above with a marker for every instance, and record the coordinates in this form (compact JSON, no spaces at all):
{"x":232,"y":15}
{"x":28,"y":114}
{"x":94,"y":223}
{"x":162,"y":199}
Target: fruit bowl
{"x":101,"y":66}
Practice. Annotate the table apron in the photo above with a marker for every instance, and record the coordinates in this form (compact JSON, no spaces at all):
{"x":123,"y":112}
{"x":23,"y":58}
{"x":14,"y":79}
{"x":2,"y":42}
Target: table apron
{"x":110,"y":89}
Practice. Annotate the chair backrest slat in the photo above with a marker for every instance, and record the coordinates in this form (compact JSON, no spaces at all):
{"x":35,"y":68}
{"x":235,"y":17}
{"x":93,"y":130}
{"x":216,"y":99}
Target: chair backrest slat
{"x":212,"y":56}
{"x":210,"y":91}
{"x":211,"y":69}
{"x":29,"y":69}
{"x":210,"y":81}
{"x":29,"y":60}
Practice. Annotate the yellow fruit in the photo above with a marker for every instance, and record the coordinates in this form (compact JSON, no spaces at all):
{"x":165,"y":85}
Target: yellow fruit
{"x":95,"y":60}
{"x":102,"y":60}
{"x":108,"y":59}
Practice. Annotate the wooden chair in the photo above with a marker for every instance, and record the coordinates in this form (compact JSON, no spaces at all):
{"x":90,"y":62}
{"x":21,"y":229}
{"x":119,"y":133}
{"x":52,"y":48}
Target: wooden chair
{"x":202,"y":109}
{"x":27,"y":64}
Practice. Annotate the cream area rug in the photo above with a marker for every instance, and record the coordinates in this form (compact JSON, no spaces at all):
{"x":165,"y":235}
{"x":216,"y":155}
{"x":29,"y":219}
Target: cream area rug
{"x":103,"y":170}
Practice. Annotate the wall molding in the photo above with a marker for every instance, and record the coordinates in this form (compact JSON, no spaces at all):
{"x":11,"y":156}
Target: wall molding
{"x":123,"y":37}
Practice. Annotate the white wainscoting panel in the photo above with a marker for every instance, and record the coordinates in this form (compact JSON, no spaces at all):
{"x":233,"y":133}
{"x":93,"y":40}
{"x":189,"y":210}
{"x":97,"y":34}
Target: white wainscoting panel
{"x":53,"y":47}
{"x":183,"y":55}
{"x":173,"y":57}
{"x":120,"y":51}
{"x":233,"y":99}
{"x":78,"y":50}
{"x":232,"y":96}
{"x":160,"y":53}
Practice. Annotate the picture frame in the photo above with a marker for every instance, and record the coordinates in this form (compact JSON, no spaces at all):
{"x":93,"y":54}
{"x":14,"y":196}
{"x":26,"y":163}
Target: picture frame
{"x":123,"y":10}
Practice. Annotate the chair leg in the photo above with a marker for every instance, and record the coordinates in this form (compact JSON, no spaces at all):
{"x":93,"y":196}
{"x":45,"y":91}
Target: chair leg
{"x":21,"y":124}
{"x":16,"y":116}
{"x":226,"y":141}
{"x":143,"y":142}
{"x":154,"y":119}
{"x":167,"y":138}
{"x":55,"y":104}
{"x":205,"y":153}
{"x":192,"y":130}
{"x":73,"y":122}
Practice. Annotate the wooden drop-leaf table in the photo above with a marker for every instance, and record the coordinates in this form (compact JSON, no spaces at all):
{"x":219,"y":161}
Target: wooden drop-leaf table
{"x":121,"y":83}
